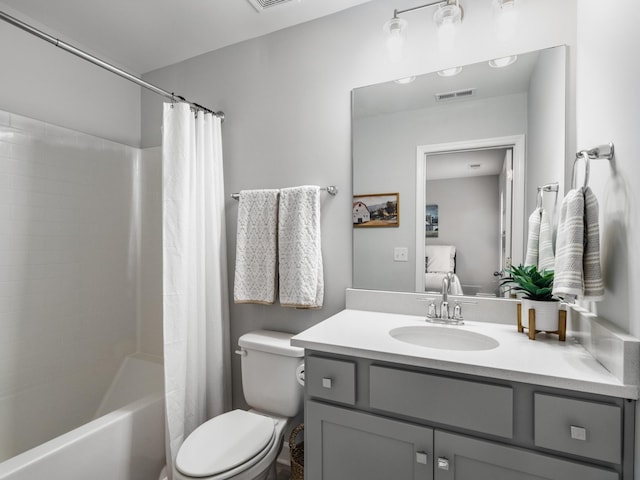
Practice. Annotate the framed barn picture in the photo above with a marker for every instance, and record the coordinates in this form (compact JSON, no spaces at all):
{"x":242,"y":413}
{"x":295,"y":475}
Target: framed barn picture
{"x":376,"y":210}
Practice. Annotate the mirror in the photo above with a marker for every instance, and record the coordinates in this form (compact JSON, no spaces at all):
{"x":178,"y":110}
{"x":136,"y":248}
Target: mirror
{"x":465,"y":155}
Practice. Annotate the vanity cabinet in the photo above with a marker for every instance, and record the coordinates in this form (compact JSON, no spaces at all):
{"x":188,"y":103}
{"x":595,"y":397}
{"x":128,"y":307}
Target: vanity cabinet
{"x":369,"y":420}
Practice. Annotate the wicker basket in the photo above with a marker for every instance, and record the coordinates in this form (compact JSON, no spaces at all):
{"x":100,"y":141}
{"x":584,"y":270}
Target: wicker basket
{"x":296,"y":452}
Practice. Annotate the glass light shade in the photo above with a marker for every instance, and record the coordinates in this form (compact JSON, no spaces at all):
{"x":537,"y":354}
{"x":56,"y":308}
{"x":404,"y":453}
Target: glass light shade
{"x":450,"y":72}
{"x":447,"y":16}
{"x":405,"y":80}
{"x":396,"y":30}
{"x":503,"y":62}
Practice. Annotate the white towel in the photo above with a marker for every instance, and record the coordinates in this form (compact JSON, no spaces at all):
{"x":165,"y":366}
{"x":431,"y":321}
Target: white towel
{"x":546,"y":258}
{"x":256,"y":247}
{"x":300,"y":255}
{"x":593,"y":283}
{"x":533,"y":239}
{"x":570,"y":246}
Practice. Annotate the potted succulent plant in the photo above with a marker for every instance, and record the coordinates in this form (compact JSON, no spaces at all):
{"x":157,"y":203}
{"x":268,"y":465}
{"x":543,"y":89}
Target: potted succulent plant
{"x":536,"y":290}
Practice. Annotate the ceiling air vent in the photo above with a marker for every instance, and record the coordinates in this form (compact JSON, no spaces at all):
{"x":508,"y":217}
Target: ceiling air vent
{"x":261,"y":5}
{"x":457,"y":94}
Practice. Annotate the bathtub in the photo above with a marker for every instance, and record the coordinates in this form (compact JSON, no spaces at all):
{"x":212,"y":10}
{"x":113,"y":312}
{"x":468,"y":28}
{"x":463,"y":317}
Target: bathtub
{"x":124,"y":442}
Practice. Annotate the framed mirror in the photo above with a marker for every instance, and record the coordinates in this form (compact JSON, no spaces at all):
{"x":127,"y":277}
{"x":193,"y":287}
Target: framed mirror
{"x":466,"y":154}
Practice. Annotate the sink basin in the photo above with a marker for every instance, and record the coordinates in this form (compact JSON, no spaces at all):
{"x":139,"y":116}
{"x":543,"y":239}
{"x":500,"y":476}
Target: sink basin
{"x":444,"y":338}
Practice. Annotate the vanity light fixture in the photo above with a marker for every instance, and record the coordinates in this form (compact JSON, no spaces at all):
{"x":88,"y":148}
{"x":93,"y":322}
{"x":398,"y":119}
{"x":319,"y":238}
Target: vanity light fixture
{"x":503,"y":62}
{"x":450,"y":72}
{"x":446,"y":17}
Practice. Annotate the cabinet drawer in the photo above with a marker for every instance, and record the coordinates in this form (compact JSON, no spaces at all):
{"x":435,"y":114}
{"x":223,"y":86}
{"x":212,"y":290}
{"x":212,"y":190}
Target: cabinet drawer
{"x":459,"y":403}
{"x":331,"y":379}
{"x":580,"y":427}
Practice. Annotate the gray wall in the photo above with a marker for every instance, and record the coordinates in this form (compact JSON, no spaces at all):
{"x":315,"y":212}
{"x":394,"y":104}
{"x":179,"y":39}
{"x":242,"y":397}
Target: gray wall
{"x":469,"y":218}
{"x":43,"y":82}
{"x":287,"y":99}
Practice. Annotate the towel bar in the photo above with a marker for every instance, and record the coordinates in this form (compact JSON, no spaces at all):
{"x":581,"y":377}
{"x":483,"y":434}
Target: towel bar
{"x":331,"y":190}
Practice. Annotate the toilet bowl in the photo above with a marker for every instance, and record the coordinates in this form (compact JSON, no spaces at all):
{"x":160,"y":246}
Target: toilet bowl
{"x":238,"y":445}
{"x":244,"y":444}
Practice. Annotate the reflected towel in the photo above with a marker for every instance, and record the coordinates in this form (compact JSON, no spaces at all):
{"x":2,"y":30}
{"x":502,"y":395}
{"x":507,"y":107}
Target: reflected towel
{"x":256,"y":247}
{"x":546,"y":258}
{"x":533,"y":239}
{"x":593,"y":283}
{"x":300,"y":255}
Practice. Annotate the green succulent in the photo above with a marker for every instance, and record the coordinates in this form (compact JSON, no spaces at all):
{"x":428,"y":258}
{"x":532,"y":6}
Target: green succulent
{"x":527,"y":280}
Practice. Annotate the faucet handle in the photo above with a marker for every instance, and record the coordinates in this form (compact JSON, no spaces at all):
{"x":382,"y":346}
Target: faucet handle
{"x":444,"y":310}
{"x":457,"y":311}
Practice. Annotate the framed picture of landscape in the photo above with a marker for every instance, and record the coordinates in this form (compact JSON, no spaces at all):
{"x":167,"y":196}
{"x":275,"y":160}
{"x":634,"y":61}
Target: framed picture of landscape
{"x":376,"y":210}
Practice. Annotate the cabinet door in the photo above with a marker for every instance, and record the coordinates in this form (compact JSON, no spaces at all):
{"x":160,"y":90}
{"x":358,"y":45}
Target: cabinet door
{"x":342,"y":444}
{"x":463,"y":458}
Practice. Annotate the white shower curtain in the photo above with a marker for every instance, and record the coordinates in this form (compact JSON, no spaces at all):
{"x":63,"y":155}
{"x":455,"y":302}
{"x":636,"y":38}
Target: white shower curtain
{"x":195,"y":300}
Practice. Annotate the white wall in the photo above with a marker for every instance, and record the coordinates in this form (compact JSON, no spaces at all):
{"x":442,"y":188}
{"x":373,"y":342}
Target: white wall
{"x":42,"y":81}
{"x":607,"y":97}
{"x":384,"y":159}
{"x":546,"y":123}
{"x":68,"y":275}
{"x":287,"y":99}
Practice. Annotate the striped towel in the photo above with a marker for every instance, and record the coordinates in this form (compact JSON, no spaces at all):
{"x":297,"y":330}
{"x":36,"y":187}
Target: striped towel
{"x":578,"y":271}
{"x":300,"y":255}
{"x":570,"y":246}
{"x":256,"y":247}
{"x":533,"y":238}
{"x":546,"y":258}
{"x":593,"y":283}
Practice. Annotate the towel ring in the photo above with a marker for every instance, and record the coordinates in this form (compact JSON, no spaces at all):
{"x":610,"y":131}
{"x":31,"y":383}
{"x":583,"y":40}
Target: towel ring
{"x":539,"y":198}
{"x":584,"y":154}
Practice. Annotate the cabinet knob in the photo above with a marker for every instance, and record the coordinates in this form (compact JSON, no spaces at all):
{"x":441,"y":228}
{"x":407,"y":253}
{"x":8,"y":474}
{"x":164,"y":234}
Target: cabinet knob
{"x":443,"y":463}
{"x":422,"y":458}
{"x":327,"y":383}
{"x":578,"y":433}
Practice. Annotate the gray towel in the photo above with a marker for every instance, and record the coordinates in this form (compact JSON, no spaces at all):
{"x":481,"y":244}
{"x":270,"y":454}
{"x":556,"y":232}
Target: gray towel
{"x":256,"y":247}
{"x":578,"y":271}
{"x":593,"y":284}
{"x":546,"y":259}
{"x":570,"y":246}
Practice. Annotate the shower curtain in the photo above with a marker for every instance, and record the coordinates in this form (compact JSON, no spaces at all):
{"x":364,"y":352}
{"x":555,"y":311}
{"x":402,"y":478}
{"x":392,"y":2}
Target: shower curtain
{"x":195,"y":300}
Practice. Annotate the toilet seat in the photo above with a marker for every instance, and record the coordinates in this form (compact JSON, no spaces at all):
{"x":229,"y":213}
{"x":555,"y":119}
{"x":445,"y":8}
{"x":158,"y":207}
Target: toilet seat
{"x":226,"y":445}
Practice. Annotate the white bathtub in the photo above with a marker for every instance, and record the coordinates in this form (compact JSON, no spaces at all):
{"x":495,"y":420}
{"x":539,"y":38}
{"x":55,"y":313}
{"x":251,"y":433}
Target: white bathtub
{"x":125,"y":444}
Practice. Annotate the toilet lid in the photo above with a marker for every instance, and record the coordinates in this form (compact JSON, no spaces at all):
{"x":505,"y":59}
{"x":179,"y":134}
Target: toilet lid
{"x":225,"y":442}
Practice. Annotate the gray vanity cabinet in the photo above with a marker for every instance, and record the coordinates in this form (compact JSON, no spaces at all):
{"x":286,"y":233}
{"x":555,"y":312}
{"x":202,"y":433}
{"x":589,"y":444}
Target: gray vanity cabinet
{"x":344,"y":444}
{"x":369,"y":420}
{"x":460,"y":457}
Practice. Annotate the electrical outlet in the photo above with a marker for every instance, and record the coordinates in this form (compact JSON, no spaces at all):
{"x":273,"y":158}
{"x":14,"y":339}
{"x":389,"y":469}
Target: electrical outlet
{"x":400,"y":254}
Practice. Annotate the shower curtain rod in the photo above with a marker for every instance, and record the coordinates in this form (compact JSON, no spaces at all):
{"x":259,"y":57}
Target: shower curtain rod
{"x":101,"y":63}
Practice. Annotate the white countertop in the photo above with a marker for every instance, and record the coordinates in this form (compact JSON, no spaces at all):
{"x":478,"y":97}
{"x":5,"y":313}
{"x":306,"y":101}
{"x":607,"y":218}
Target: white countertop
{"x":544,"y":361}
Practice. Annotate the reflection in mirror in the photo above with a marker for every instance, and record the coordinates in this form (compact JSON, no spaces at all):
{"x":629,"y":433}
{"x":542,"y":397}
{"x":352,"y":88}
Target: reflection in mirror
{"x":409,"y":138}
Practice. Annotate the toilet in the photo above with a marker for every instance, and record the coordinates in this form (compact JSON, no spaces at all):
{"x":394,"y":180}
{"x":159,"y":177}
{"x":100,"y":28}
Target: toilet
{"x":241,"y":444}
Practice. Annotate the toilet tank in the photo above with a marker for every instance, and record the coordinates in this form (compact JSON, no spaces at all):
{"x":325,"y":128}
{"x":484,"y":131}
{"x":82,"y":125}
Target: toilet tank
{"x":269,"y":364}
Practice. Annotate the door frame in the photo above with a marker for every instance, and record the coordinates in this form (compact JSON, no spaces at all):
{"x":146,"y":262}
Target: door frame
{"x":517,"y":144}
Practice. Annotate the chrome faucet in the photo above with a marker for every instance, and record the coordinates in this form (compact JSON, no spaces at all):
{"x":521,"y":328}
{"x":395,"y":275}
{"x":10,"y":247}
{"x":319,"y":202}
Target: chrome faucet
{"x":444,"y":304}
{"x":445,"y":315}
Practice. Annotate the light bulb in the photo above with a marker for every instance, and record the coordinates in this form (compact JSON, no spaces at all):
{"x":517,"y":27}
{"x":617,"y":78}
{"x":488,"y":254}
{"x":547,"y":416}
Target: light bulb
{"x":395,"y":29}
{"x":447,"y":18}
{"x":503,"y":62}
{"x":450,"y":72}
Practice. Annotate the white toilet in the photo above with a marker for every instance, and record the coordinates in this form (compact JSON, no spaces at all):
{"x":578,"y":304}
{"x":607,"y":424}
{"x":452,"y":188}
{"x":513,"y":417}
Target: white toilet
{"x":244,"y":445}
